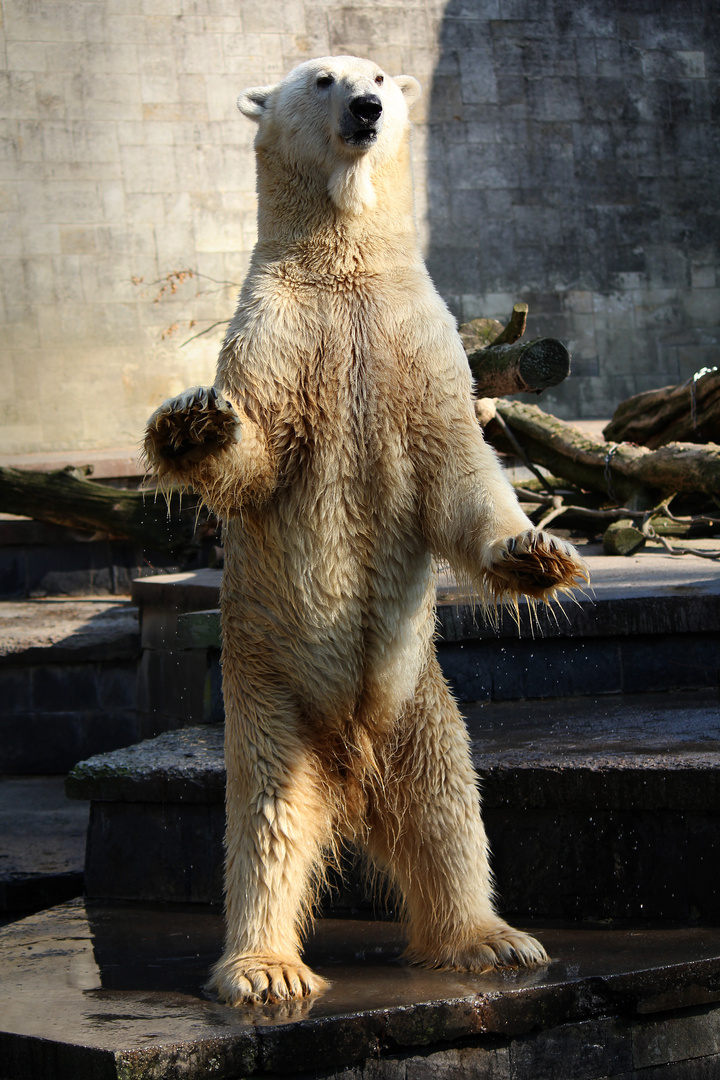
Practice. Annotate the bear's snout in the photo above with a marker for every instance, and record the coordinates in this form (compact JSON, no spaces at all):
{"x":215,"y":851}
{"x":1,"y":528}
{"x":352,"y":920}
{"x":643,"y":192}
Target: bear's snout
{"x":361,"y":121}
{"x":366,"y":109}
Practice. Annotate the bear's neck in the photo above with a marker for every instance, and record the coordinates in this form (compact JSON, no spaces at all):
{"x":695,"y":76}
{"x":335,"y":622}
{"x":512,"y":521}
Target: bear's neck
{"x":299,"y":221}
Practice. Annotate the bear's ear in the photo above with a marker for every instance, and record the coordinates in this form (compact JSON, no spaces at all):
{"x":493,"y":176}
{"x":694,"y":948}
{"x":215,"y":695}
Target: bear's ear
{"x":254,"y":101}
{"x":410,"y":87}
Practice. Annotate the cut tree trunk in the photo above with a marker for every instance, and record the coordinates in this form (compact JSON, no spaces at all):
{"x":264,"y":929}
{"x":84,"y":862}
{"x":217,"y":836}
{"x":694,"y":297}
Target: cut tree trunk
{"x":501,"y":364}
{"x":687,"y":413}
{"x":64,"y":498}
{"x":634,"y":476}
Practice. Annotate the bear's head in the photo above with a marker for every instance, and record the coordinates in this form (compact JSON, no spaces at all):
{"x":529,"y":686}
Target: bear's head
{"x":338,"y":116}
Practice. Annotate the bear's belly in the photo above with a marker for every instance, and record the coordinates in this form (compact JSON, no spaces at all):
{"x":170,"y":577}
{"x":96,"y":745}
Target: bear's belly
{"x":343,"y":624}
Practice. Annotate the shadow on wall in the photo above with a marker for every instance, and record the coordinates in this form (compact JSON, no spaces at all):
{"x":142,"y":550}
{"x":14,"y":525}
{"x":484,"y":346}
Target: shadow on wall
{"x":572,"y":163}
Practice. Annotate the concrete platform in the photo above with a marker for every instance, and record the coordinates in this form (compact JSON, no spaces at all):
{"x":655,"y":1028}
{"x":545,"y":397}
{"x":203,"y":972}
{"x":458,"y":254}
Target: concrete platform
{"x":103,"y":993}
{"x":75,"y":629}
{"x":595,"y":808}
{"x":42,"y":844}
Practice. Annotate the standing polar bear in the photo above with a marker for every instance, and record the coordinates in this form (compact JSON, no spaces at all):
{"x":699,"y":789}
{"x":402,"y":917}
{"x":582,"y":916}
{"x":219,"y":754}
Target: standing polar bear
{"x":340,"y":449}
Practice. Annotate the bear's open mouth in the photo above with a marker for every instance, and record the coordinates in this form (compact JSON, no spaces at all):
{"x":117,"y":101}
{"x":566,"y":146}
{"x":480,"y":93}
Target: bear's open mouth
{"x":362,"y":137}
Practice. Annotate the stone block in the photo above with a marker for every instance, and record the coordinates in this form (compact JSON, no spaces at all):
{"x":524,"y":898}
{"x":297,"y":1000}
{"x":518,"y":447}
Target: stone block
{"x":116,"y":686}
{"x":179,"y":856}
{"x":595,"y":1048}
{"x":284,"y":16}
{"x":469,"y":670}
{"x":73,"y":686}
{"x":477,"y":76}
{"x":53,"y":742}
{"x":200,"y":53}
{"x":171,"y":687}
{"x":469,"y":1063}
{"x":703,"y":277}
{"x":44,"y":22}
{"x":26,"y":56}
{"x":696,"y":1035}
{"x":15,"y":690}
{"x":701,"y":306}
{"x":670,"y":663}
{"x":552,"y":668}
{"x":554,"y":99}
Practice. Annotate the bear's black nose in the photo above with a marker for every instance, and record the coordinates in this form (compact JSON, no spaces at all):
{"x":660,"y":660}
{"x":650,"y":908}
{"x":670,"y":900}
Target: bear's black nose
{"x":366,"y":109}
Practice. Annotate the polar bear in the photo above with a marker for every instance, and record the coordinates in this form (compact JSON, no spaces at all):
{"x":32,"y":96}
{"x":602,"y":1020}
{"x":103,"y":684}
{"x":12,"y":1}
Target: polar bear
{"x":340,"y":449}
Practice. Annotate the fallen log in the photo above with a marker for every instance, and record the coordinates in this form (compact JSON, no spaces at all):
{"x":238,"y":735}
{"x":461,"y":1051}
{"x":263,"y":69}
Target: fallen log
{"x":687,"y":413}
{"x":630,"y":475}
{"x":501,"y":364}
{"x":65,"y":498}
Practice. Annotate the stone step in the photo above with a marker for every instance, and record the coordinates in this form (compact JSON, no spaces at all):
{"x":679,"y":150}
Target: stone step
{"x":595,"y":808}
{"x":42,"y":850}
{"x":650,"y":623}
{"x":68,"y":674}
{"x":122,"y":998}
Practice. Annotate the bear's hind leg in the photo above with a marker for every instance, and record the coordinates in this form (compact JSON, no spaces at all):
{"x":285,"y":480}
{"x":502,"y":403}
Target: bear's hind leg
{"x":278,"y":824}
{"x":425,"y":828}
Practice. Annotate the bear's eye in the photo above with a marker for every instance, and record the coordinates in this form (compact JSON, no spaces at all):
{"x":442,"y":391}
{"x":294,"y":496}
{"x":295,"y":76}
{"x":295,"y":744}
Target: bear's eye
{"x":325,"y":80}
{"x":379,"y":79}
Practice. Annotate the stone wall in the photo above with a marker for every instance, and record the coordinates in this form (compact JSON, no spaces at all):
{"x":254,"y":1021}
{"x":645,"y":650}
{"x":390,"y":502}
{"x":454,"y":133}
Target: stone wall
{"x":564,"y":154}
{"x":572,"y":157}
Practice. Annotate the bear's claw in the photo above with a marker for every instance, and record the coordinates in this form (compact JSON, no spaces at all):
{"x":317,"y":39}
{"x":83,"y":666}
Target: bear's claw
{"x":187,"y":428}
{"x":534,"y":564}
{"x":257,"y":980}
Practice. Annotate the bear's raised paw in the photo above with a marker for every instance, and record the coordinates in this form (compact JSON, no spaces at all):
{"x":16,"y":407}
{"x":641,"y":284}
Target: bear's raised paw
{"x":187,"y":428}
{"x":534,"y":564}
{"x":257,"y":980}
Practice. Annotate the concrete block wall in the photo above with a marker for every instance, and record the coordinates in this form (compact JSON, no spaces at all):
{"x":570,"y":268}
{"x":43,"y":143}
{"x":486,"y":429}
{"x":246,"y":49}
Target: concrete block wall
{"x":564,"y":154}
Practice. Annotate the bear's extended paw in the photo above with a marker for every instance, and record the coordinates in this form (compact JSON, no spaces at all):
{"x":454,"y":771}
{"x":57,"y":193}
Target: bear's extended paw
{"x":497,"y":945}
{"x":261,"y":980}
{"x":534,"y":564}
{"x":187,"y":428}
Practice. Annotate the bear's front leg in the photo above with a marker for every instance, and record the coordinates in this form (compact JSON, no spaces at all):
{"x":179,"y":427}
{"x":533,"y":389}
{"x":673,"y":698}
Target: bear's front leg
{"x":187,"y":429}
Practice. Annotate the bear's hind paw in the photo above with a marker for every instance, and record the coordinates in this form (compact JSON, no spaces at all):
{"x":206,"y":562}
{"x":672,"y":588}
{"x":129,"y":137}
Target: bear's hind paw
{"x":254,"y":980}
{"x":534,"y":564}
{"x":494,"y":947}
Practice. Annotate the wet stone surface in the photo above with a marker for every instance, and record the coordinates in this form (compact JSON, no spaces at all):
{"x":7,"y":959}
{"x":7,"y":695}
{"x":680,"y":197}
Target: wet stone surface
{"x":186,"y":765}
{"x":122,"y":995}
